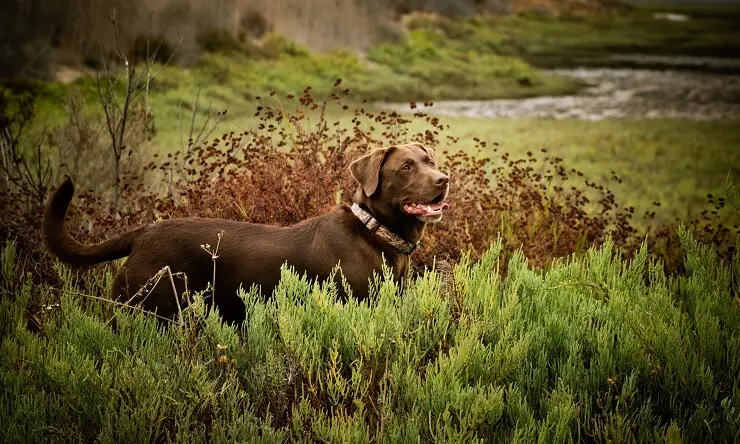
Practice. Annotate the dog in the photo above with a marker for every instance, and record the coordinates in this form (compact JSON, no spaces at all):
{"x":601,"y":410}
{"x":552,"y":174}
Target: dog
{"x":399,"y":191}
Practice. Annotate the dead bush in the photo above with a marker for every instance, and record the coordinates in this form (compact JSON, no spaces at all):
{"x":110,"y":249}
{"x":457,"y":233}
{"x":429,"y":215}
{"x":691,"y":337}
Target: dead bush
{"x":294,"y":165}
{"x":290,"y":168}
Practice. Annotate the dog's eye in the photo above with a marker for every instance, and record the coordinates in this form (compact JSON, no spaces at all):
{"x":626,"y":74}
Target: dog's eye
{"x":406,"y":167}
{"x":431,"y":163}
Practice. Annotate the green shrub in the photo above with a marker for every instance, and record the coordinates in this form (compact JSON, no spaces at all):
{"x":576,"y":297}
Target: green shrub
{"x":277,"y":45}
{"x":598,"y":348}
{"x":472,"y":64}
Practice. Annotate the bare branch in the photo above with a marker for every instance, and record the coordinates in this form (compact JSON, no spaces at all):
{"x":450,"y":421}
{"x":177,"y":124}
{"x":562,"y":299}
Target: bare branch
{"x":110,"y":301}
{"x":136,"y":82}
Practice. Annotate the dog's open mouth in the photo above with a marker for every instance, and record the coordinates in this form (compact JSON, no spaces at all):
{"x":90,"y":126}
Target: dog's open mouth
{"x":428,"y":211}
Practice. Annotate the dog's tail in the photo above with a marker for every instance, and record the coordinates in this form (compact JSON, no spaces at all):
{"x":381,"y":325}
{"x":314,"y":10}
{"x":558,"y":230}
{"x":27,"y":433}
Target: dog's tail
{"x":66,"y":248}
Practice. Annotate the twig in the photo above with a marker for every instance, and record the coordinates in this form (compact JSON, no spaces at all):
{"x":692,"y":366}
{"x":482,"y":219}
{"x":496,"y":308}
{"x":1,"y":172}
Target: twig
{"x":205,"y":130}
{"x":20,"y":169}
{"x":214,"y":256}
{"x":117,"y":114}
{"x":155,"y":278}
{"x":177,"y":297}
{"x":134,"y":307}
{"x":192,"y":118}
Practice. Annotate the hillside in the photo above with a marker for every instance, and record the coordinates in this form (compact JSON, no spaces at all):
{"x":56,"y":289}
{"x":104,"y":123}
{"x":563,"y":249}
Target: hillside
{"x":39,"y":36}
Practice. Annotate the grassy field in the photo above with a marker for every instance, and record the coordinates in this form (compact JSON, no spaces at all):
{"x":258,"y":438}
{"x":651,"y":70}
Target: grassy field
{"x":232,"y":75}
{"x":594,"y":347}
{"x":435,"y":58}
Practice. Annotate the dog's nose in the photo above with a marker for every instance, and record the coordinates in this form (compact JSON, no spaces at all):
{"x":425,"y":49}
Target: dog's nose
{"x":442,"y":180}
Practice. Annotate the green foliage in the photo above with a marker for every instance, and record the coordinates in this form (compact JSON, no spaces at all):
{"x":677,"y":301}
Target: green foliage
{"x":232,"y":72}
{"x":287,"y":67}
{"x":586,"y":40}
{"x":598,"y":348}
{"x":442,"y":62}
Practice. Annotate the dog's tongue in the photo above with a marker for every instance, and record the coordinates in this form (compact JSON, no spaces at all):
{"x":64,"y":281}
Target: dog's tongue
{"x":425,"y":209}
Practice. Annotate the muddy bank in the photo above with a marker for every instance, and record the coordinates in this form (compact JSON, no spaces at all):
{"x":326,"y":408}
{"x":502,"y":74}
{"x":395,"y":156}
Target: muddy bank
{"x":615,"y":94}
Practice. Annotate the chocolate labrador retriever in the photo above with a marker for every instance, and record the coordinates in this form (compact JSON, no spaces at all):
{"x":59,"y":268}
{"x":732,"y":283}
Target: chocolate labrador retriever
{"x":400,"y":190}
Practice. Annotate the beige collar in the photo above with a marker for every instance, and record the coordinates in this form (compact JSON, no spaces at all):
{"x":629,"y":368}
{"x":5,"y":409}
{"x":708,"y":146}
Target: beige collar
{"x":402,"y":245}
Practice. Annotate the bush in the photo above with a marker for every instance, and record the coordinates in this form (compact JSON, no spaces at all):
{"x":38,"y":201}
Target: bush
{"x":463,"y":60}
{"x":294,"y":165}
{"x":286,"y":171}
{"x":596,"y":349}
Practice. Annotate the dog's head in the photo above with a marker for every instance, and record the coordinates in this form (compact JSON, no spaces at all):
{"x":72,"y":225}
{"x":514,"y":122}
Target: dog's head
{"x":402,"y":180}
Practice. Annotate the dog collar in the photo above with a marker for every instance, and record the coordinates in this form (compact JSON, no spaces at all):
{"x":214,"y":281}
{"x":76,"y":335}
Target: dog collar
{"x":402,"y":245}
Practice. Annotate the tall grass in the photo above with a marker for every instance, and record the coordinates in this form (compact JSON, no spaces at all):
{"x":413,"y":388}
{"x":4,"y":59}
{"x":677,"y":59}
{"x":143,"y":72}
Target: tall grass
{"x":596,"y":349}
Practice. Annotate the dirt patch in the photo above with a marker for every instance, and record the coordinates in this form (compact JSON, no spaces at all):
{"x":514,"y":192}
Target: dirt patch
{"x":67,"y":74}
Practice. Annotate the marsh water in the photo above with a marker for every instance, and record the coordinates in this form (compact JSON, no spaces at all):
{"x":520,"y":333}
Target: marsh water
{"x":618,"y":93}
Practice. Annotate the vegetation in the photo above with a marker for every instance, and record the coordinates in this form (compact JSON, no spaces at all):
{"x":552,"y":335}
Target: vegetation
{"x":234,"y":74}
{"x":44,"y":37}
{"x":534,"y":199}
{"x":293,"y":165}
{"x":671,"y":162}
{"x":597,"y":349}
{"x":393,"y":78}
{"x":544,"y":307}
{"x":435,"y":57}
{"x":674,"y":163}
{"x":459,"y":69}
{"x":578,"y":40}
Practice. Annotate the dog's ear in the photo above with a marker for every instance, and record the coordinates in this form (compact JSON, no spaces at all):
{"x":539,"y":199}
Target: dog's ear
{"x":366,"y":169}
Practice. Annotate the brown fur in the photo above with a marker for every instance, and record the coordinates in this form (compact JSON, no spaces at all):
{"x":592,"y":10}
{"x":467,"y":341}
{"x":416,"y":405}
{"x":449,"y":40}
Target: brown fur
{"x":253,"y":253}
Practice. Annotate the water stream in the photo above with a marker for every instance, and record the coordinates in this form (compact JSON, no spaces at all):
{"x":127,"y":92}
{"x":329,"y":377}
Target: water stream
{"x":615,"y":94}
